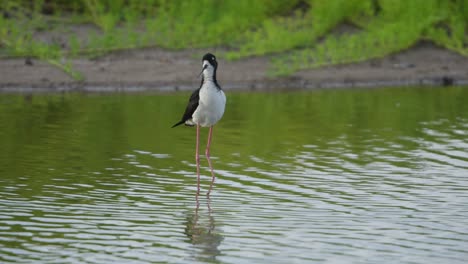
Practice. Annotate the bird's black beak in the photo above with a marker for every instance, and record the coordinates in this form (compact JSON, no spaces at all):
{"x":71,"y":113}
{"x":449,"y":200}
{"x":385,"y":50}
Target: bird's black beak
{"x":204,"y":67}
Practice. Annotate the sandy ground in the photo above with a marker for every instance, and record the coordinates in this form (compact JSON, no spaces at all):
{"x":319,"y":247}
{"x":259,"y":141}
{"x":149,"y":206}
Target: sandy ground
{"x":162,"y":70}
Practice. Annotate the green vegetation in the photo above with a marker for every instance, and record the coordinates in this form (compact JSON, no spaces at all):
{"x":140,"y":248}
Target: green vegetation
{"x":298,"y":34}
{"x":396,"y":26}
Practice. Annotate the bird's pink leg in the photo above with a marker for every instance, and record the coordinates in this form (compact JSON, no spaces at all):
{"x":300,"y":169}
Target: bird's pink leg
{"x":207,"y":155}
{"x":197,"y":159}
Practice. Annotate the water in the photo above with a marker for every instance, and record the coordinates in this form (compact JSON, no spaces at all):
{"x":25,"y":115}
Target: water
{"x":367,"y":176}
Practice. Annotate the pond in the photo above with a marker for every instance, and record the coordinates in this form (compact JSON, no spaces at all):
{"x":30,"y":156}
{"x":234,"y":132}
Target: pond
{"x":336,"y":176}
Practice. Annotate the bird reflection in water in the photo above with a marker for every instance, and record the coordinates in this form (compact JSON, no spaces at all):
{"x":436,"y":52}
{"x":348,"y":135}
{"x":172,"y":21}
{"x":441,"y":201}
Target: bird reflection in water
{"x":202,"y":232}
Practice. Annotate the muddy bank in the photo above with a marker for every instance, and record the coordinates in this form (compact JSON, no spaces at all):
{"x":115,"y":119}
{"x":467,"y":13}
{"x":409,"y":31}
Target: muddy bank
{"x":161,"y":70}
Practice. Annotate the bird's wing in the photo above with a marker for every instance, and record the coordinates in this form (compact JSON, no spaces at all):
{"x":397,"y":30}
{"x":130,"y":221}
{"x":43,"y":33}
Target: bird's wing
{"x":191,"y":107}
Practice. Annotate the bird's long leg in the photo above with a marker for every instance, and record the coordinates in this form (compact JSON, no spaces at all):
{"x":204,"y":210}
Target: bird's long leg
{"x":207,"y":155}
{"x":197,"y":159}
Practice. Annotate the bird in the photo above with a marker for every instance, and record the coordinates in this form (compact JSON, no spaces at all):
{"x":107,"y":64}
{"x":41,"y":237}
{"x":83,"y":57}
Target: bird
{"x":204,"y":109}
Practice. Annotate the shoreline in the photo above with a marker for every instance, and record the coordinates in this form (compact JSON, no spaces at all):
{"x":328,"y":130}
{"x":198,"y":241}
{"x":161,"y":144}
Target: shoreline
{"x":158,"y":70}
{"x":255,"y":87}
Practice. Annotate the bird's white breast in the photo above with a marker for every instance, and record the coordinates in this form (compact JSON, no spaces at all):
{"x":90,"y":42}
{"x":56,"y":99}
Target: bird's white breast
{"x":210,"y":106}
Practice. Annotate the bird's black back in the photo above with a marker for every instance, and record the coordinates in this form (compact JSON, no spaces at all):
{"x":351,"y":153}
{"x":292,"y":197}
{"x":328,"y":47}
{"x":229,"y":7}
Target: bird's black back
{"x":191,"y":107}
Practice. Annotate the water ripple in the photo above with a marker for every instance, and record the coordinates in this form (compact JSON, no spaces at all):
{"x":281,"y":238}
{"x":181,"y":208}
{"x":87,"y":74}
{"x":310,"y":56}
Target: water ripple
{"x":355,"y":191}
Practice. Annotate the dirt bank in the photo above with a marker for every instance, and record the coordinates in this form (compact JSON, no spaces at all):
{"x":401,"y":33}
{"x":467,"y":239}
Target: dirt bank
{"x":161,"y":70}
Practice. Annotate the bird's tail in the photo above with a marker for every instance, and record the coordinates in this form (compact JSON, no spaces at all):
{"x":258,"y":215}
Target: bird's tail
{"x":178,"y":123}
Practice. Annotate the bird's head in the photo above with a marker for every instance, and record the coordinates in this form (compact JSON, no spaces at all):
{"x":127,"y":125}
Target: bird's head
{"x":209,"y":65}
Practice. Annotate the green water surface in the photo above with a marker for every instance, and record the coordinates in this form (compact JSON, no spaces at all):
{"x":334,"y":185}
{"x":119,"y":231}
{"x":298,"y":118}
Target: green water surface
{"x":339,"y":176}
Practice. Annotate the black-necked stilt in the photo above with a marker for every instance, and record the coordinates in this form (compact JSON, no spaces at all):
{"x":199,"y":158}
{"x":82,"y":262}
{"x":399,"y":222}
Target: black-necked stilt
{"x":205,"y":108}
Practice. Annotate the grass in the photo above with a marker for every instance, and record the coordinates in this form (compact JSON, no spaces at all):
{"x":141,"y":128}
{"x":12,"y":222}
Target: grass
{"x":397,"y":27}
{"x":302,"y":29}
{"x":297,"y":34}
